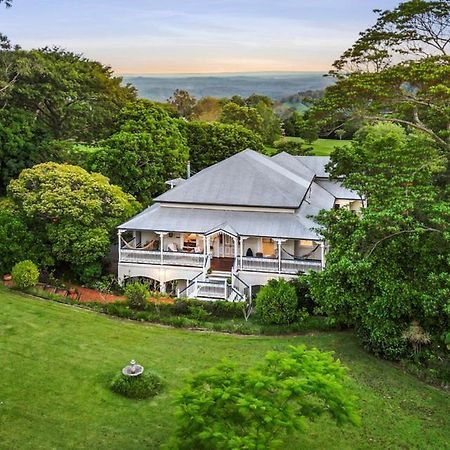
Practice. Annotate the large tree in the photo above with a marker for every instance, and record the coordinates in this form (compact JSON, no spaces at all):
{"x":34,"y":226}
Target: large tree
{"x":74,"y":212}
{"x":210,"y":143}
{"x":70,"y":96}
{"x":398,"y":71}
{"x":388,"y":267}
{"x":147,"y":150}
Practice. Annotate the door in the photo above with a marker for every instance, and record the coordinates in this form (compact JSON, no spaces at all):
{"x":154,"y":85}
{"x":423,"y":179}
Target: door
{"x":226,"y":246}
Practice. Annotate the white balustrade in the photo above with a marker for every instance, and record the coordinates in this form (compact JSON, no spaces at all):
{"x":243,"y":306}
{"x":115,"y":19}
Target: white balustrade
{"x":168,"y":258}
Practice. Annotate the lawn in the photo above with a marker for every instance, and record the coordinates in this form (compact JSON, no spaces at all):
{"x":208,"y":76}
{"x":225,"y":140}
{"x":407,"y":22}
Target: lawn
{"x":322,"y":147}
{"x":57,"y":360}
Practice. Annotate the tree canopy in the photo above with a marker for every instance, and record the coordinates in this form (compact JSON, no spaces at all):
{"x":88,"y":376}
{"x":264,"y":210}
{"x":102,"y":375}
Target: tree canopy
{"x":388,"y":266}
{"x":212,"y":142}
{"x":228,"y":408}
{"x":74,"y":212}
{"x":398,"y":71}
{"x":147,"y":150}
{"x":70,"y":96}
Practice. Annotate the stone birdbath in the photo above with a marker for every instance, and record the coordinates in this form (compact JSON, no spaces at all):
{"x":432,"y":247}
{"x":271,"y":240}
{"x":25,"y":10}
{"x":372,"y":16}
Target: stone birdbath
{"x":133,"y":369}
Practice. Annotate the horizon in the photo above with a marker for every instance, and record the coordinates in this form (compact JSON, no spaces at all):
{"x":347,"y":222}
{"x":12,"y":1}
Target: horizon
{"x":195,"y":37}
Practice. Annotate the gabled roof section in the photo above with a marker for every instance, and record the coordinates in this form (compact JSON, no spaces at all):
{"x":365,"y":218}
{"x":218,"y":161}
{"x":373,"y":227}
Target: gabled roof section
{"x":245,"y":179}
{"x":340,"y":192}
{"x":316,"y":164}
{"x":225,"y":227}
{"x":293,"y":164}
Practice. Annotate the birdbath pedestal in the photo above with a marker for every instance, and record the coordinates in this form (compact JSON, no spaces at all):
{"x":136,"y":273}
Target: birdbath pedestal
{"x":133,"y":369}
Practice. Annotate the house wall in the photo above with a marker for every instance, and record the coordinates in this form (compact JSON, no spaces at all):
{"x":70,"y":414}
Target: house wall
{"x":354,"y":205}
{"x":159,"y":273}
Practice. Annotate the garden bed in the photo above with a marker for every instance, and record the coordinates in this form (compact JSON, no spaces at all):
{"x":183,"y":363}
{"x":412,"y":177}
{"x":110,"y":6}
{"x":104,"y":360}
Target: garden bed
{"x":220,"y":316}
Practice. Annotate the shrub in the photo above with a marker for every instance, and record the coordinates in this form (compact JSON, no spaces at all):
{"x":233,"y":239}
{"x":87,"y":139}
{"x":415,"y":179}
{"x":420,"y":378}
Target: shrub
{"x":198,"y":313}
{"x":302,"y":290}
{"x":277,"y":302}
{"x":228,"y":408}
{"x":137,"y":295}
{"x":148,"y":384}
{"x":25,"y":274}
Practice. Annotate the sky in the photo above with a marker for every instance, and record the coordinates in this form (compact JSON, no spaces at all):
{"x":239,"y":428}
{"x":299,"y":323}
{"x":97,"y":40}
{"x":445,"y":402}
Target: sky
{"x":194,"y":36}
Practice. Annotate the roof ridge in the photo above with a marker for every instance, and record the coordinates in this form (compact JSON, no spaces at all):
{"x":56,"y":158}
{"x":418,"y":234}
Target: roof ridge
{"x":270,"y":163}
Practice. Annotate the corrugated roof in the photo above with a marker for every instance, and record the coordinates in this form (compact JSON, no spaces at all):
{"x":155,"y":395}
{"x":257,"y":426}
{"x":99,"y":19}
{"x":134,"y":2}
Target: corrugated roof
{"x":202,"y":221}
{"x":335,"y":188}
{"x":245,"y":179}
{"x":248,"y":179}
{"x":316,"y":164}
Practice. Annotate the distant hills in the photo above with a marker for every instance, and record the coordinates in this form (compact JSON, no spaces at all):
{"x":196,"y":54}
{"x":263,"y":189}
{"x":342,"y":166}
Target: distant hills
{"x":279,"y":86}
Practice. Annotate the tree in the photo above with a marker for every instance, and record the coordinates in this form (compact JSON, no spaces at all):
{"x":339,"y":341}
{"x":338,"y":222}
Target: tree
{"x":415,"y":28}
{"x":246,"y":116}
{"x":340,"y":133}
{"x":210,"y":143}
{"x":148,"y":150}
{"x":298,"y":126}
{"x":17,"y":242}
{"x":388,"y":266}
{"x":227,"y":407}
{"x":295,"y":148}
{"x":398,"y":71}
{"x":76,"y":213}
{"x":70,"y":96}
{"x":183,"y":102}
{"x":208,"y":109}
{"x":18,"y":144}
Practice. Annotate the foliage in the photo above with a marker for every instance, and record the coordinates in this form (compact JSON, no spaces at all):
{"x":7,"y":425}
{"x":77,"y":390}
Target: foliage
{"x":70,"y":96}
{"x":25,"y":274}
{"x":398,"y":71}
{"x":227,"y":407}
{"x":208,"y":109}
{"x":146,"y":385}
{"x":303,"y":292}
{"x":146,"y":151}
{"x":276,"y":302}
{"x":18,"y":144}
{"x":210,"y":143}
{"x":296,"y":125}
{"x":248,"y":117}
{"x":414,"y":27}
{"x":295,"y":148}
{"x":388,"y":266}
{"x":257,"y":115}
{"x":17,"y":242}
{"x":137,"y":295}
{"x":74,"y":211}
{"x":198,"y":313}
{"x":183,"y":102}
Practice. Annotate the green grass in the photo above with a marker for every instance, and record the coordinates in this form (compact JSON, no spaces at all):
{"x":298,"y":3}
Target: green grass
{"x":321,"y":147}
{"x":57,"y":361}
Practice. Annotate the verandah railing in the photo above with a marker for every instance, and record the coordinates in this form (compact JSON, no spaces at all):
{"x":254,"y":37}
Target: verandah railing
{"x":158,"y":257}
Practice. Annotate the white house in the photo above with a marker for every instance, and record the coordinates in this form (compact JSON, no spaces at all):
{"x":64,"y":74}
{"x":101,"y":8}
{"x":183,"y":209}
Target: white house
{"x":233,"y":226}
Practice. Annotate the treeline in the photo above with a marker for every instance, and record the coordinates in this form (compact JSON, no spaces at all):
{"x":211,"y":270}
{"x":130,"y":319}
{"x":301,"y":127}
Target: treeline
{"x":388,"y":269}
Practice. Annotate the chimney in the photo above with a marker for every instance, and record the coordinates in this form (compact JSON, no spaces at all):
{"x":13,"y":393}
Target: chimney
{"x":188,"y":169}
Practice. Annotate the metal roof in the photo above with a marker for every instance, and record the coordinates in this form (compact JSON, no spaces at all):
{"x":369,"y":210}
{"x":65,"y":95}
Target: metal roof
{"x":202,"y":221}
{"x":316,"y":164}
{"x":248,"y":179}
{"x":245,"y":179}
{"x":335,"y":188}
